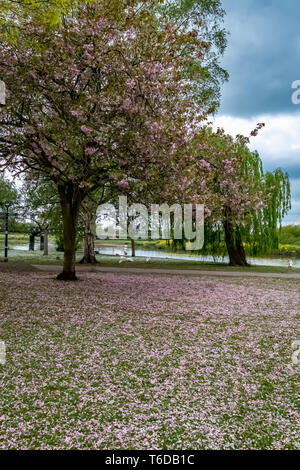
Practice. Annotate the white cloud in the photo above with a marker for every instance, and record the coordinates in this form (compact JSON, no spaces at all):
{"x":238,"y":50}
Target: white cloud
{"x":278,"y":143}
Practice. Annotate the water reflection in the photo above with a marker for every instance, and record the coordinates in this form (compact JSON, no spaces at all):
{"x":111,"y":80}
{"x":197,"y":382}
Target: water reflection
{"x":147,"y":253}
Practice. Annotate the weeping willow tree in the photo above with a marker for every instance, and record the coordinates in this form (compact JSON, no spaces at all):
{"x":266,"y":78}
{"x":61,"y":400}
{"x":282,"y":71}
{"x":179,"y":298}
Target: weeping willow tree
{"x":261,"y":233}
{"x":247,"y":204}
{"x":257,"y":234}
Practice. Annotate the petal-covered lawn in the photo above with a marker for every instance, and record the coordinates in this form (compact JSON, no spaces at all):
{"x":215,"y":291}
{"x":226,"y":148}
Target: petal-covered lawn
{"x":124,"y":361}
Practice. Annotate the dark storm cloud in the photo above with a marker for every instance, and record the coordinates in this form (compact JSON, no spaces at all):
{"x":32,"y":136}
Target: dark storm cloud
{"x":262,"y":58}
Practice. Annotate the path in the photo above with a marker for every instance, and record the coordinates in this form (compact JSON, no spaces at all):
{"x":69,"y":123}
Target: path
{"x":189,"y":272}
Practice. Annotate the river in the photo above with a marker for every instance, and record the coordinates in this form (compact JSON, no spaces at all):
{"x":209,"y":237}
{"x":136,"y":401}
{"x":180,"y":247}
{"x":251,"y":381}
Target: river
{"x":152,"y":253}
{"x":148,"y":253}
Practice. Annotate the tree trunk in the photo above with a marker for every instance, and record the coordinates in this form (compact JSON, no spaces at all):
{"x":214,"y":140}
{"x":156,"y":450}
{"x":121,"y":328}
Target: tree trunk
{"x":132,"y":247}
{"x":89,"y":240}
{"x":234,"y":244}
{"x":31,"y":242}
{"x":46,"y":243}
{"x":42,"y":241}
{"x":70,"y":208}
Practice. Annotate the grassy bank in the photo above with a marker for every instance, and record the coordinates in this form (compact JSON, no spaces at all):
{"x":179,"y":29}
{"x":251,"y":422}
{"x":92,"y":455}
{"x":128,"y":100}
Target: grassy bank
{"x":36,"y":257}
{"x":56,"y":258}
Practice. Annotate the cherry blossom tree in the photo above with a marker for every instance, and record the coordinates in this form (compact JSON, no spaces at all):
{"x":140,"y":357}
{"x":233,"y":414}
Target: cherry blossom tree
{"x":104,"y":96}
{"x":242,"y":202}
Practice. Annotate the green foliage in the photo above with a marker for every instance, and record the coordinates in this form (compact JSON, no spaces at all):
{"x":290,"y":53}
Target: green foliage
{"x":14,"y":226}
{"x":257,"y":200}
{"x":289,"y":235}
{"x":8,"y":193}
{"x":59,"y":241}
{"x":214,"y":241}
{"x":14,"y":14}
{"x":261,"y":235}
{"x":41,"y":206}
{"x":188,"y":15}
{"x":271,"y":196}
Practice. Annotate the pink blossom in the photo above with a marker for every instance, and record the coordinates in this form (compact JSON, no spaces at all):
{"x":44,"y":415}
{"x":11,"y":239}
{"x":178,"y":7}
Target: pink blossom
{"x":86,"y":130}
{"x":205,"y":164}
{"x":29,"y":129}
{"x":130,"y":83}
{"x":90,"y":151}
{"x":123,"y":183}
{"x":127,"y":104}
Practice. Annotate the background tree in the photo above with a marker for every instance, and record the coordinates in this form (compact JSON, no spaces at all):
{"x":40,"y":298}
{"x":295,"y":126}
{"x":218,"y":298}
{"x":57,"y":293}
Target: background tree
{"x":42,"y":206}
{"x":290,"y":235}
{"x":261,"y":234}
{"x":254,"y":202}
{"x":8,"y":193}
{"x":87,"y":217}
{"x":203,"y":18}
{"x":242,"y":203}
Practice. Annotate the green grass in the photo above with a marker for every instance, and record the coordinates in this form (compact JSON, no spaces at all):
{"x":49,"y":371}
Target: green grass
{"x":56,"y":258}
{"x":148,"y":362}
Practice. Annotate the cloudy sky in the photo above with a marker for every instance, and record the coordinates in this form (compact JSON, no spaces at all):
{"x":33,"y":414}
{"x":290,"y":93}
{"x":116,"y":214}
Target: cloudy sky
{"x":263,"y":60}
